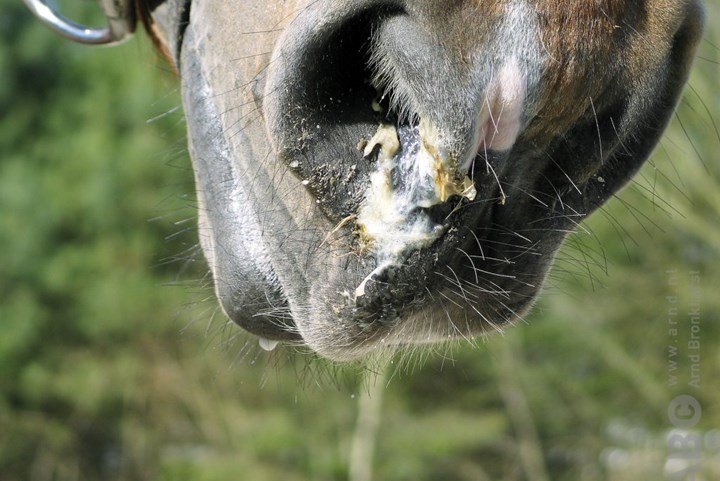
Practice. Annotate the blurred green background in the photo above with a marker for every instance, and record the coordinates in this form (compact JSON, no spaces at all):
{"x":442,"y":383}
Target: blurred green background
{"x":115,"y":363}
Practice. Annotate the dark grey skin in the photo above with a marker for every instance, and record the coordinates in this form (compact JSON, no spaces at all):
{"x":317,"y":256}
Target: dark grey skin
{"x":278,"y":95}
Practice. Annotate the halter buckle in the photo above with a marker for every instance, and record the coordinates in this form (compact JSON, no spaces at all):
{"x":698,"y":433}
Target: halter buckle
{"x":120,"y":15}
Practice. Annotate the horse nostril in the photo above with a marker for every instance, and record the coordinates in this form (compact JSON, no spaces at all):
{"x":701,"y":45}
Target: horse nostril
{"x":318,"y":103}
{"x":439,"y":213}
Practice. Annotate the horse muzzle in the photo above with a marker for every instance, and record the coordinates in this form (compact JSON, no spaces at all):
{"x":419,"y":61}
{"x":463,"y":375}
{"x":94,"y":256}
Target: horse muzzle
{"x":375,"y":173}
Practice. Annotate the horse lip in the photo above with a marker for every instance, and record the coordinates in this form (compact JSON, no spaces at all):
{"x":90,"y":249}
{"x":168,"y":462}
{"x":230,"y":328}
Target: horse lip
{"x":245,"y":279}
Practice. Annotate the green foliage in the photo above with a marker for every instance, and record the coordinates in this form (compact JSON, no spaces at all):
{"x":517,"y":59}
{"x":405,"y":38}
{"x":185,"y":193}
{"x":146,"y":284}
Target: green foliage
{"x":112,"y":369}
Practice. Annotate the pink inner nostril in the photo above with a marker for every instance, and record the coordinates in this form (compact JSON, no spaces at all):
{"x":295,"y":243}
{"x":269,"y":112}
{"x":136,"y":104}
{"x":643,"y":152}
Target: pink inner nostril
{"x":501,"y":110}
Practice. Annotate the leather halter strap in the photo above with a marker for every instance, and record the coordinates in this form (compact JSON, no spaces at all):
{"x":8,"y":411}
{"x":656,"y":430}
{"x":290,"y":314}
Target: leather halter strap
{"x":165,"y":22}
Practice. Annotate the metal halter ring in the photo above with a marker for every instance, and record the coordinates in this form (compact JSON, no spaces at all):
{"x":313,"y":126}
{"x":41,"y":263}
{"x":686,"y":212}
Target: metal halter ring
{"x":121,"y":22}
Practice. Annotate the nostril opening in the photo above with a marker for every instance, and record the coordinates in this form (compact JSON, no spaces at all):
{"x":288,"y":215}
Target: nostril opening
{"x":331,"y":71}
{"x":439,"y":213}
{"x":322,"y":109}
{"x":338,"y":85}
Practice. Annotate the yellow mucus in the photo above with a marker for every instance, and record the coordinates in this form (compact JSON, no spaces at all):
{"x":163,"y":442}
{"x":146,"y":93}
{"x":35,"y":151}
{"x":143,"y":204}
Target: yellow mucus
{"x":387,"y":220}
